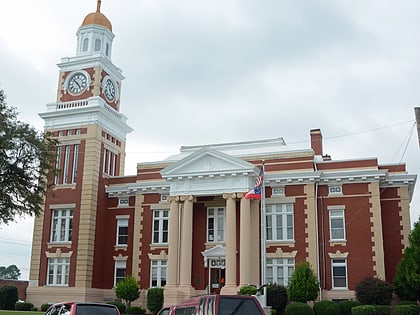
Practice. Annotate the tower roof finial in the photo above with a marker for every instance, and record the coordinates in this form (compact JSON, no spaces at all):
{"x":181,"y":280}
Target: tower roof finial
{"x":98,"y":6}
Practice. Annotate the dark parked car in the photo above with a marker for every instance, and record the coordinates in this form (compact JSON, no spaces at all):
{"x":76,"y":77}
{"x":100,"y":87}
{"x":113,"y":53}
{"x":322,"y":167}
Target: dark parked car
{"x":82,"y":308}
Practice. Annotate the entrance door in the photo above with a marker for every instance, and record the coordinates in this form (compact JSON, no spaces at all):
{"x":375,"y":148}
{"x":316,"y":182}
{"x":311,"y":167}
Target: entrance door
{"x":217,"y":280}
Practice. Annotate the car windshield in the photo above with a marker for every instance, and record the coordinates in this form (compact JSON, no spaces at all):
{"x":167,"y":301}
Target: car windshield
{"x":231,"y":306}
{"x":90,"y":309}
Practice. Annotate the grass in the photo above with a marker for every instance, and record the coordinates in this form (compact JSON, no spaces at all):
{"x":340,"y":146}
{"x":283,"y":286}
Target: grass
{"x":3,"y":312}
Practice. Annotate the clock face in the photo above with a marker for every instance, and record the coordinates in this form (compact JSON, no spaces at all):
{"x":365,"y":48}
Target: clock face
{"x":109,"y":89}
{"x":77,"y":83}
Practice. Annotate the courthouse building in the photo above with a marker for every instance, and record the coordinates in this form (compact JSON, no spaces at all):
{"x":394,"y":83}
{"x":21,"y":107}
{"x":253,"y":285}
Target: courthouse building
{"x":183,"y":223}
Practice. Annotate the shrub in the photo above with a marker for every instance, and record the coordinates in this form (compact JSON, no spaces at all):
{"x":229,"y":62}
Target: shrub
{"x":8,"y":297}
{"x":154,"y":299}
{"x":136,"y":310}
{"x":23,"y":306}
{"x":363,"y":310}
{"x":44,"y":307}
{"x":326,"y":308}
{"x":298,"y":308}
{"x":347,"y":305}
{"x":34,"y":309}
{"x":303,"y":284}
{"x":374,"y":291}
{"x":277,"y":297}
{"x":407,"y":309}
{"x":121,"y":306}
{"x":248,"y":290}
{"x":382,"y":310}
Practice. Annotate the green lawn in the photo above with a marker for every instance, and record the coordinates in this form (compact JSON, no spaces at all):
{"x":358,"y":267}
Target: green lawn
{"x":2,"y":312}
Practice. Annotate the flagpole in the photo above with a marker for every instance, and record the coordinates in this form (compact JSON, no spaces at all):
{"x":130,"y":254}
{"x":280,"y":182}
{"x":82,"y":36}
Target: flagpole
{"x":263,"y":236}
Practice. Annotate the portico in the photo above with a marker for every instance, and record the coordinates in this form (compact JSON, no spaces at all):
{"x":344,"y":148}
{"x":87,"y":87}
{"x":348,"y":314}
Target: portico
{"x":211,"y":175}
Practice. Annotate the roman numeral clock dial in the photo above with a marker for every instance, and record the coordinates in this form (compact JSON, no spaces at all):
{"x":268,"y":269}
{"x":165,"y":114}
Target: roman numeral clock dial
{"x":77,"y":83}
{"x":109,"y":89}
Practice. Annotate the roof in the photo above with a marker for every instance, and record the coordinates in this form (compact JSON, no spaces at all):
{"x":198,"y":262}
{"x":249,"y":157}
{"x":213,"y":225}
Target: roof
{"x":97,"y":18}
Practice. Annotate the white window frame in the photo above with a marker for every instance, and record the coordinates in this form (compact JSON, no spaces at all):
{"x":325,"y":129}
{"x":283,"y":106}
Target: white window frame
{"x":63,"y":220}
{"x":75,"y":164}
{"x":216,"y":215}
{"x":279,"y":221}
{"x":277,"y":191}
{"x":279,"y":270}
{"x":335,"y":190}
{"x":123,"y":202}
{"x":158,"y":273}
{"x":119,"y":265}
{"x":337,"y":214}
{"x":122,"y":223}
{"x":339,"y":263}
{"x":66,"y":165}
{"x":58,"y":271}
{"x":160,"y":220}
{"x":57,"y":165}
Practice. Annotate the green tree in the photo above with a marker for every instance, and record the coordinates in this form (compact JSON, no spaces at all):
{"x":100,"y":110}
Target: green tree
{"x":374,"y":291}
{"x":9,"y":295}
{"x":11,"y":272}
{"x":407,"y":278}
{"x":26,"y":158}
{"x":303,"y":285}
{"x":154,"y":299}
{"x":128,"y":290}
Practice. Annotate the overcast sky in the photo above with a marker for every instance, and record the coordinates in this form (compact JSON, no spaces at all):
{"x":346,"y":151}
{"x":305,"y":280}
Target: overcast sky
{"x":200,"y":72}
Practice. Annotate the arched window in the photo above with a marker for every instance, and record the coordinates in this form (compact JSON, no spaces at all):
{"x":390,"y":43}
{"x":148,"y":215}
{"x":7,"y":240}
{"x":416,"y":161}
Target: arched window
{"x":85,"y":44}
{"x":98,"y":44}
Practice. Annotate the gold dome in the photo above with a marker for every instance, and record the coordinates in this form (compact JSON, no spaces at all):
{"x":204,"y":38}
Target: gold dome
{"x":97,"y":18}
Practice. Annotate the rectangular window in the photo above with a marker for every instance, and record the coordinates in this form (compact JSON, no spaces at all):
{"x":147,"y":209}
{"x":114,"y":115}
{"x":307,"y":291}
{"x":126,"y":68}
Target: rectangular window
{"x":279,"y":270}
{"x":58,"y":271}
{"x":58,"y":165}
{"x":61,"y":225}
{"x":120,"y":271}
{"x":337,"y":227}
{"x":158,"y":273}
{"x":104,"y":161}
{"x":66,"y":165}
{"x":75,"y":158}
{"x":339,"y":273}
{"x":279,"y":222}
{"x":122,"y":232}
{"x":160,"y":226}
{"x":215,"y":224}
{"x":335,"y":190}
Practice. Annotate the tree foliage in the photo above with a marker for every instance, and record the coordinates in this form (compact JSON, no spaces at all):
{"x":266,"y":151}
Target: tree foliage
{"x":9,"y":295}
{"x":407,"y":278}
{"x":303,"y":285}
{"x":11,"y":272}
{"x":26,"y":158}
{"x":374,"y":291}
{"x":154,"y":299}
{"x":128,"y":290}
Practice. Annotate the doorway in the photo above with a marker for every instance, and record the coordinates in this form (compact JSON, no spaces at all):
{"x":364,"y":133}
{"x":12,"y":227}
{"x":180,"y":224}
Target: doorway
{"x":217,"y":279}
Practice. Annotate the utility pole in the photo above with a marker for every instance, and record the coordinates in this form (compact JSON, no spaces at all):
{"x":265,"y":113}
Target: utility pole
{"x":417,"y":112}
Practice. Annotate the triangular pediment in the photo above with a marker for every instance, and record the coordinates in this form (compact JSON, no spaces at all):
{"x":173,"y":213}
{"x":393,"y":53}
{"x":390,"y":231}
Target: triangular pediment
{"x":206,"y":162}
{"x":217,"y":251}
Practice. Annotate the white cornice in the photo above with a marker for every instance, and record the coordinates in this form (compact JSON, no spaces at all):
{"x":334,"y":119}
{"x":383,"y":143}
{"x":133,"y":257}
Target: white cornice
{"x":90,"y":61}
{"x":93,"y":110}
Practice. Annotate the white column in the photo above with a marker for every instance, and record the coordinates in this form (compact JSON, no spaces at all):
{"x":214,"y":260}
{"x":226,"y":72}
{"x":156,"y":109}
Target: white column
{"x":173,"y":265}
{"x":230,"y":283}
{"x":186,"y":242}
{"x":245,"y":243}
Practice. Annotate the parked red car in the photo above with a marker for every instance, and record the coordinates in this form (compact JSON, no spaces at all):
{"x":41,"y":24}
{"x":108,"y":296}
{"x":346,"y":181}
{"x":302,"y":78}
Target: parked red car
{"x":82,"y":308}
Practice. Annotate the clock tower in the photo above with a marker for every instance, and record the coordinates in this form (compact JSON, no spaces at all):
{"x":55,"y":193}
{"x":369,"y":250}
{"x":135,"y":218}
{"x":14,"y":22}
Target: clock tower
{"x":91,"y":130}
